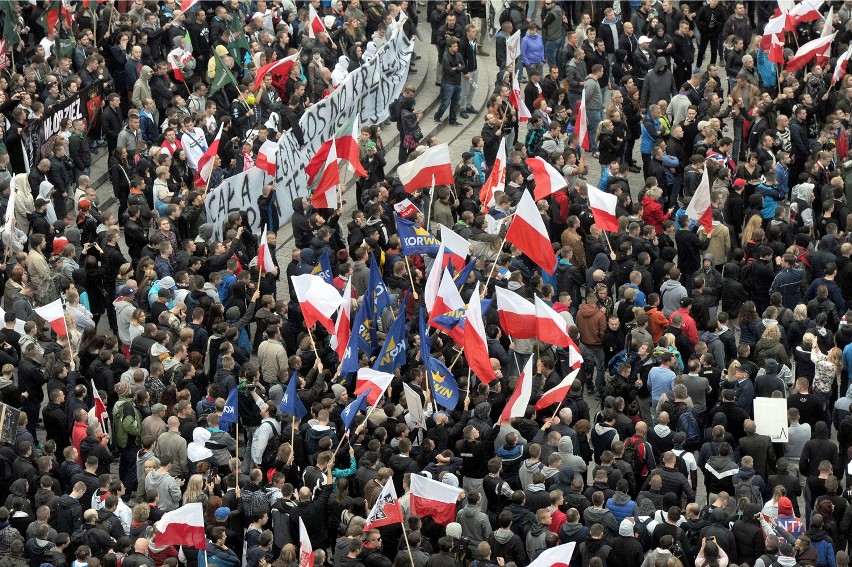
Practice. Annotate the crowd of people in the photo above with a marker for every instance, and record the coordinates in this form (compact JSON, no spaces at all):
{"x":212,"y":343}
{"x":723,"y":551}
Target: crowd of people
{"x":652,"y":459}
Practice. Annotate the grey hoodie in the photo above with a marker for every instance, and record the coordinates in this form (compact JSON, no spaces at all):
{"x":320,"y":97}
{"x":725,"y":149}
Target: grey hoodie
{"x":600,"y":516}
{"x":474,"y":523}
{"x":528,"y":467}
{"x":671,"y":292}
{"x":503,"y":536}
{"x":576,"y":462}
{"x":167,"y":489}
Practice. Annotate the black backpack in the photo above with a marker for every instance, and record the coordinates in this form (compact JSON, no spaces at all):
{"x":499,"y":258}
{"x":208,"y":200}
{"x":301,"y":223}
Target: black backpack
{"x":271,"y":451}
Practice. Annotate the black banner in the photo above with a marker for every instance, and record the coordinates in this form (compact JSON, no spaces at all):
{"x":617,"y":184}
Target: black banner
{"x":39,"y":134}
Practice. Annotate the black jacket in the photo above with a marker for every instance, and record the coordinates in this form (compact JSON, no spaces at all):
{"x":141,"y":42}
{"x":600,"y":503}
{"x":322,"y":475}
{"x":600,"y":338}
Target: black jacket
{"x":69,"y":515}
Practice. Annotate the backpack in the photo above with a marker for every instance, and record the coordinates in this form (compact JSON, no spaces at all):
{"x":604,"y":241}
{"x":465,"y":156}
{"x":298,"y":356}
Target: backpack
{"x":254,"y":501}
{"x":688,"y":424}
{"x":745,"y":489}
{"x":632,"y":457}
{"x":271,"y":450}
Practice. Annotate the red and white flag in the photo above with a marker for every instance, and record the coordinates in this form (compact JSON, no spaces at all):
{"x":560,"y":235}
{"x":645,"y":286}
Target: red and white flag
{"x":324,"y":195}
{"x":821,"y":58}
{"x":267,"y":157}
{"x":699,"y":207}
{"x":528,"y":233}
{"x":187,"y":4}
{"x":184,"y":526}
{"x":318,"y":300}
{"x":456,"y":248}
{"x":100,"y":408}
{"x":603,"y":208}
{"x":517,"y":100}
{"x":315,"y":23}
{"x":808,"y":52}
{"x":448,"y":298}
{"x":496,"y":179}
{"x":306,"y":550}
{"x":557,"y":394}
{"x":840,"y":67}
{"x":548,"y":179}
{"x":277,"y":68}
{"x":265,"y":261}
{"x":345,"y":143}
{"x":575,"y":359}
{"x":551,"y":326}
{"x":776,"y":50}
{"x":513,"y":47}
{"x":386,"y":510}
{"x":433,"y":499}
{"x":520,"y":398}
{"x":433,"y":280}
{"x":559,"y":556}
{"x":54,"y":314}
{"x":373,"y":381}
{"x":517,"y":315}
{"x":475,"y":340}
{"x":207,"y":160}
{"x":343,"y":326}
{"x":432,"y":167}
{"x":581,"y":125}
{"x":806,"y":11}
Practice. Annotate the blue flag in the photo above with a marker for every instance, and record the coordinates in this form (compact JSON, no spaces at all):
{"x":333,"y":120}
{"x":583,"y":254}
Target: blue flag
{"x":415,"y":239}
{"x":425,"y":342}
{"x":229,"y":413}
{"x":392,"y":355}
{"x":460,"y":278}
{"x":290,"y":403}
{"x":443,"y":384}
{"x":350,"y":411}
{"x":364,"y":331}
{"x":323,"y":268}
{"x":377,"y":292}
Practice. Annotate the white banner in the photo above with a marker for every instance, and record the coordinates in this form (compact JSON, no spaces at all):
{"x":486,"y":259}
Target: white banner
{"x":236,"y":194}
{"x":770,"y":416}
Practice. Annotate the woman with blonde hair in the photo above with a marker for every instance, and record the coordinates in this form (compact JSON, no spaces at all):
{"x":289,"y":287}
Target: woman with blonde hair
{"x":769,"y":346}
{"x":827,"y":371}
{"x":749,"y":235}
{"x":195,"y":491}
{"x":137,"y":323}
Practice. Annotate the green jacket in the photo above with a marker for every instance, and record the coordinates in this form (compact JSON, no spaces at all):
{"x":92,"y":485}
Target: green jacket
{"x":127,"y":422}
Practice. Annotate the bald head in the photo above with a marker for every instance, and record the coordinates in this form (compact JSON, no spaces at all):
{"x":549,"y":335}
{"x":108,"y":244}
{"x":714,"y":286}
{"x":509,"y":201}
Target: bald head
{"x":141,"y":545}
{"x":173,"y":423}
{"x":305,"y":494}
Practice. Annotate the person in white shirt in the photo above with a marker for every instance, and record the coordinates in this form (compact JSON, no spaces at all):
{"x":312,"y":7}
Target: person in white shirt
{"x":193,"y":142}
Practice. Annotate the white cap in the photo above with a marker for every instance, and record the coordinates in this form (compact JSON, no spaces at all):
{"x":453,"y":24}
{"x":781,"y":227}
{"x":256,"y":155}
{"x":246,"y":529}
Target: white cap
{"x":644,"y":39}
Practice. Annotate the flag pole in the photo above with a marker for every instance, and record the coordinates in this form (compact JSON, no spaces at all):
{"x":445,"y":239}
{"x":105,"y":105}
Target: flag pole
{"x":606,"y":236}
{"x":410,"y":278}
{"x":558,"y":407}
{"x":293,"y":433}
{"x":407,"y":546}
{"x":237,"y":448}
{"x":456,"y":359}
{"x":494,"y":264}
{"x":431,"y":203}
{"x":313,"y":343}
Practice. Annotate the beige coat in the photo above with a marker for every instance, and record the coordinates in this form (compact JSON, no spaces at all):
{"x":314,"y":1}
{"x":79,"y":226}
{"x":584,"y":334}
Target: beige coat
{"x":24,"y":202}
{"x":272,"y":358}
{"x":720,"y":242}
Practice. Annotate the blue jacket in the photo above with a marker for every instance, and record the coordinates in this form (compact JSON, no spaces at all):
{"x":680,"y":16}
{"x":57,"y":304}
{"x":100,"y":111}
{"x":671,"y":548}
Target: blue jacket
{"x":532,"y":49}
{"x":650,"y":128}
{"x":782,"y":177}
{"x":479,"y":163}
{"x":222,"y":557}
{"x":787,"y":282}
{"x":824,"y":548}
{"x":623,"y":510}
{"x":771,"y":194}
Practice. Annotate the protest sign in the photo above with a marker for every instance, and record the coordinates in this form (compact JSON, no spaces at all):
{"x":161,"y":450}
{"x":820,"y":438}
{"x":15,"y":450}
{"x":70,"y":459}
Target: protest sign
{"x":770,"y":416}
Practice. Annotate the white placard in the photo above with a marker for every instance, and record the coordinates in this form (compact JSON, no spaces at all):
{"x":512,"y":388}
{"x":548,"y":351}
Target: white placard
{"x":770,"y":416}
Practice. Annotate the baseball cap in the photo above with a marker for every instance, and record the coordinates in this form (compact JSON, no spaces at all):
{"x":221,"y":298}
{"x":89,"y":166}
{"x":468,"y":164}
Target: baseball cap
{"x":127,"y":291}
{"x":371,"y":145}
{"x":41,"y":202}
{"x":222,"y":513}
{"x":739,"y":182}
{"x":644,"y":39}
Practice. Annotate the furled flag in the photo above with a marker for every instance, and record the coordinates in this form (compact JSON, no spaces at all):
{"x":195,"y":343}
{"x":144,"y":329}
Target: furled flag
{"x":559,"y":556}
{"x":776,"y":50}
{"x":603,"y":208}
{"x":267,"y":157}
{"x":277,"y":68}
{"x":425,"y":340}
{"x":496,"y":179}
{"x":377,"y":294}
{"x":520,"y":398}
{"x":315,"y":23}
{"x":516,"y":98}
{"x":552,"y":327}
{"x":444,"y":384}
{"x":345,"y":143}
{"x":476,"y":341}
{"x":548,"y":179}
{"x":373,"y":382}
{"x":433,"y":499}
{"x":456,"y":248}
{"x":351,"y":410}
{"x":265,"y":261}
{"x":230,"y":412}
{"x":415,"y":239}
{"x":433,"y":280}
{"x":517,"y":315}
{"x":342,"y":330}
{"x":807,"y":52}
{"x":54,"y":314}
{"x":448,"y":297}
{"x":222,"y":77}
{"x":699,"y":207}
{"x":318,"y":300}
{"x":392,"y":355}
{"x":349,"y":360}
{"x":184,"y":526}
{"x":386,"y":510}
{"x":432,"y":166}
{"x":208,"y":158}
{"x":306,"y":550}
{"x":100,"y":407}
{"x":581,"y":125}
{"x":323,"y":268}
{"x":324,"y":195}
{"x":557,"y":394}
{"x":291,"y":404}
{"x":451,"y":324}
{"x":528,"y":233}
{"x":822,"y":56}
{"x":10,"y":25}
{"x":840,"y":67}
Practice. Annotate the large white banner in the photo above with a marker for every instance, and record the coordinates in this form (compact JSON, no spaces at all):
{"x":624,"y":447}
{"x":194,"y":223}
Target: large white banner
{"x":770,"y":416}
{"x":235,"y":194}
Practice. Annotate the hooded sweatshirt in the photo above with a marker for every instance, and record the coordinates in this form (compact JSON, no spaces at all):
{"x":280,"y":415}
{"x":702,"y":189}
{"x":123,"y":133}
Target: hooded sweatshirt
{"x":671,"y":292}
{"x":167,"y":488}
{"x":601,"y":516}
{"x":474,"y":523}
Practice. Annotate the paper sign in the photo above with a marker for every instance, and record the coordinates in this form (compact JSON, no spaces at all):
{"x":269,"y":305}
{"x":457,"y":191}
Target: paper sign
{"x":770,"y":416}
{"x":405,"y":208}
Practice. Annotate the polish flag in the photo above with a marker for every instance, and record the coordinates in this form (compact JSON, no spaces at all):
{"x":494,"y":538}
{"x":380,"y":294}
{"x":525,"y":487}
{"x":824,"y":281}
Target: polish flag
{"x":342,"y":326}
{"x":548,"y":179}
{"x":552,"y":328}
{"x":184,"y":526}
{"x":206,"y":161}
{"x":372,"y":381}
{"x":265,"y":261}
{"x":581,"y":125}
{"x":267,"y":157}
{"x":318,"y":300}
{"x":54,"y":314}
{"x":278,"y":68}
{"x":433,"y":280}
{"x":386,"y":510}
{"x":432,"y":167}
{"x":840,"y":67}
{"x":456,"y":248}
{"x":827,"y":29}
{"x":187,"y":4}
{"x":558,"y":556}
{"x":475,"y":342}
{"x":517,"y":315}
{"x":699,"y":207}
{"x":806,"y":11}
{"x":448,"y":298}
{"x":345,"y":142}
{"x":528,"y":233}
{"x":808,"y":52}
{"x":517,"y":100}
{"x":776,"y":50}
{"x":306,"y":550}
{"x":575,"y":359}
{"x":496,"y":179}
{"x":100,"y":408}
{"x":433,"y":499}
{"x":520,"y":399}
{"x":315,"y":23}
{"x":557,"y":394}
{"x":325,"y":193}
{"x":603,"y":208}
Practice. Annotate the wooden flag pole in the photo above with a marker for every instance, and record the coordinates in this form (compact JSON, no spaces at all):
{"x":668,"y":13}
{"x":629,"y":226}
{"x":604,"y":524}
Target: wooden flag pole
{"x":456,"y":359}
{"x":431,"y":204}
{"x":237,"y":449}
{"x":292,"y":432}
{"x":558,"y":407}
{"x":407,"y":546}
{"x":606,"y":236}
{"x":410,"y":278}
{"x":313,"y":343}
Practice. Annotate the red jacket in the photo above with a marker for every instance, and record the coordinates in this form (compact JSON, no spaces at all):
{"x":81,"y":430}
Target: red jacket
{"x":653,"y":214}
{"x":689,"y":327}
{"x":78,"y":433}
